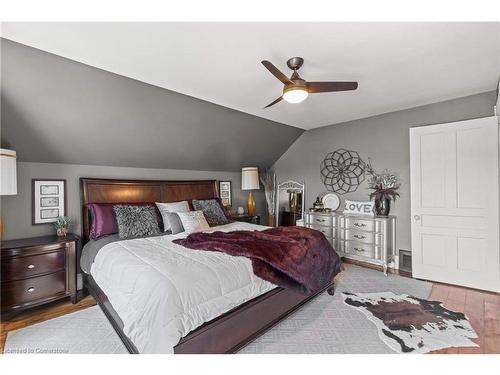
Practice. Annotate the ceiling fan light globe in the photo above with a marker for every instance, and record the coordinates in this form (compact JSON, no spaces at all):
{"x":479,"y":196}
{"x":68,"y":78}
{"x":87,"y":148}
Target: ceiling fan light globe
{"x":295,"y":95}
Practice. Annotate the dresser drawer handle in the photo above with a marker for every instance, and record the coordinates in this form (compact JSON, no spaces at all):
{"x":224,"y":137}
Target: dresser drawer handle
{"x":359,"y":249}
{"x":31,"y":289}
{"x":321,"y":220}
{"x":359,"y":225}
{"x":359,"y":237}
{"x":31,"y":266}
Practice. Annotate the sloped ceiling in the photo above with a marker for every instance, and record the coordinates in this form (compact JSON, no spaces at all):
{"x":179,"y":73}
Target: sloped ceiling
{"x":60,"y":111}
{"x":397,"y":65}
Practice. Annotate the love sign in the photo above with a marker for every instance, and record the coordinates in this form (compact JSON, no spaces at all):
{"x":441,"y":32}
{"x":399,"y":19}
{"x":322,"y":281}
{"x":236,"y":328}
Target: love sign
{"x":359,"y":208}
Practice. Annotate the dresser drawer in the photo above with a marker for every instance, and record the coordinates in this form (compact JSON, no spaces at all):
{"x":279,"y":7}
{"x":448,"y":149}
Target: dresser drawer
{"x":20,"y":292}
{"x":327,"y":231}
{"x":27,"y":266}
{"x":363,"y":224}
{"x":323,"y":220}
{"x":361,"y":236}
{"x":359,"y":249}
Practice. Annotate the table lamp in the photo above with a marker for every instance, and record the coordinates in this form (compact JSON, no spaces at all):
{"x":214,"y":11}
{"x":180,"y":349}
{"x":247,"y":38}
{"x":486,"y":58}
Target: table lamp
{"x":8,"y":176}
{"x":250,"y":181}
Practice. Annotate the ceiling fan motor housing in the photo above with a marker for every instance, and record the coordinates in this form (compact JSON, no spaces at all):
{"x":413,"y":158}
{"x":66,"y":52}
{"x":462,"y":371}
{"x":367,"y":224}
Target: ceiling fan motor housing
{"x":295,"y":63}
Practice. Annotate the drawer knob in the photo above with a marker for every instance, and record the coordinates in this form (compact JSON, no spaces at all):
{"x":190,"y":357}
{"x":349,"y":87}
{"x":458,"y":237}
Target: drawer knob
{"x":321,"y":220}
{"x":416,"y":217}
{"x":359,"y":225}
{"x":31,"y":266}
{"x":359,"y":249}
{"x":359,"y":237}
{"x":31,"y":289}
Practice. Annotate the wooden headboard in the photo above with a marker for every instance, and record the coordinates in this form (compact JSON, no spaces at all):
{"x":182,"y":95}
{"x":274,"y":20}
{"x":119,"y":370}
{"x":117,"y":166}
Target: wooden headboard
{"x":95,"y":190}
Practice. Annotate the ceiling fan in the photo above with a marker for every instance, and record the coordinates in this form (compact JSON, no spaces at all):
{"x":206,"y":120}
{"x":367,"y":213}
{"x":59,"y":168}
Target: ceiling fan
{"x":297,"y":89}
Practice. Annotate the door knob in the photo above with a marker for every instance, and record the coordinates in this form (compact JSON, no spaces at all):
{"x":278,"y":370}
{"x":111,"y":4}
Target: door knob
{"x":416,"y":217}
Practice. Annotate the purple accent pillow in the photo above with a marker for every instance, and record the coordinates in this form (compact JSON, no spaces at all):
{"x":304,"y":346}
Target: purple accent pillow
{"x":103,"y":218}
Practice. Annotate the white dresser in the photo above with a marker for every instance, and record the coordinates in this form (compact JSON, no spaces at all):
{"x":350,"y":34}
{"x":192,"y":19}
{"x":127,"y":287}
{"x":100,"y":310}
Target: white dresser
{"x":366,"y":239}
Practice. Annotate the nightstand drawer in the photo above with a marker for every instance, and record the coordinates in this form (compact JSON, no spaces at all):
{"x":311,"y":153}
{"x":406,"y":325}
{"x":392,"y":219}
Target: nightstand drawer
{"x":360,"y":249}
{"x":27,"y":266}
{"x":355,"y":223}
{"x":323,"y":220}
{"x":360,"y":236}
{"x":20,"y":292}
{"x":327,"y":231}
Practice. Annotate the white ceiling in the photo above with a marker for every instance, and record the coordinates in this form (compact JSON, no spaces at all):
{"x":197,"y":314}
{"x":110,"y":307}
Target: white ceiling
{"x":397,"y":65}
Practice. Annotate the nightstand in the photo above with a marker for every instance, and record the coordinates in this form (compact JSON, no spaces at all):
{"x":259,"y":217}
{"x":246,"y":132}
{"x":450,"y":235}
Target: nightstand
{"x":289,"y":219}
{"x":36,"y":271}
{"x":254,"y":219}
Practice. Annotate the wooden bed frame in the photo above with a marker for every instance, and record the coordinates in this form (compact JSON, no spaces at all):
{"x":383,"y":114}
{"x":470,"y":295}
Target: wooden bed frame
{"x":224,"y":334}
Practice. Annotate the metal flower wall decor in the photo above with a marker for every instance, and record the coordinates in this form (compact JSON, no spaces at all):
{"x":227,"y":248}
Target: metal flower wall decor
{"x":342,"y":171}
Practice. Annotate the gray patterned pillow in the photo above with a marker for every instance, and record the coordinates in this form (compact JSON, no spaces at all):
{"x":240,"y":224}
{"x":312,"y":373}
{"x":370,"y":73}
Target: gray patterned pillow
{"x":136,"y":221}
{"x":212,"y":210}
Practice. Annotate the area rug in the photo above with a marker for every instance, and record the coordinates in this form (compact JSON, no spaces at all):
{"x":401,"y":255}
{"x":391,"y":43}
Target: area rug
{"x":324,"y":325}
{"x":413,"y":325}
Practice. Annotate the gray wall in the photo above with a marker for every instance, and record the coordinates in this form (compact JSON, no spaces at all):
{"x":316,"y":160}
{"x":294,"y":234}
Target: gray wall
{"x":16,"y":209}
{"x":384,"y":138}
{"x":56,"y":110}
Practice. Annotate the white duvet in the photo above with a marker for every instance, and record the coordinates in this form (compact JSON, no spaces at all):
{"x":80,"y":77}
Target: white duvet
{"x":163,"y":291}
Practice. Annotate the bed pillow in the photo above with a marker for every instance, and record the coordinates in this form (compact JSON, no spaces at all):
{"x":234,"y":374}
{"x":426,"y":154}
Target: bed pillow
{"x":164,"y":208}
{"x":193,"y":221}
{"x":212,"y":210}
{"x":103,"y":218}
{"x":175,"y":222}
{"x":136,"y":221}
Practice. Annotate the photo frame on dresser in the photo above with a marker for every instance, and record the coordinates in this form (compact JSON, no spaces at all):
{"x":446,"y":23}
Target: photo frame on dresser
{"x":226,"y":193}
{"x":48,"y":200}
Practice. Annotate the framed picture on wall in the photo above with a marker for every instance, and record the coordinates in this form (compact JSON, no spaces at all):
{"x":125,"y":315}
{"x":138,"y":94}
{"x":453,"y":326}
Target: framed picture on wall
{"x":48,"y":200}
{"x":225,"y":193}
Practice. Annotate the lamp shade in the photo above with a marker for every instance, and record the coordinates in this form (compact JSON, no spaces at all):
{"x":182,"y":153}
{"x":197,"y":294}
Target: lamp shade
{"x":250,"y":178}
{"x":8,"y":175}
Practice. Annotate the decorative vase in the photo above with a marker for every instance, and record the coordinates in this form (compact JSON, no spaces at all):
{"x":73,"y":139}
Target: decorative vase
{"x":382,"y":207}
{"x":62,"y":232}
{"x":318,"y":205}
{"x":271,"y":220}
{"x":251,"y":204}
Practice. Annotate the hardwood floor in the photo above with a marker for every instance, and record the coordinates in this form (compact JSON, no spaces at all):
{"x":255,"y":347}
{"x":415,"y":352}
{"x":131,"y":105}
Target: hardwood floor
{"x":42,"y":314}
{"x":482,"y":309}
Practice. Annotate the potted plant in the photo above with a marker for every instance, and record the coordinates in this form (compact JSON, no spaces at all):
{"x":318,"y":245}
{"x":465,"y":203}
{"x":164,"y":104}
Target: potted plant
{"x":384,"y":186}
{"x":62,"y":225}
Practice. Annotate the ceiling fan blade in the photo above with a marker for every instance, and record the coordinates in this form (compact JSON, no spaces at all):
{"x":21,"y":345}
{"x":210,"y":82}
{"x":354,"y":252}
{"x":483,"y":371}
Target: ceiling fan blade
{"x":276,"y":72}
{"x":314,"y":87}
{"x":276,"y":101}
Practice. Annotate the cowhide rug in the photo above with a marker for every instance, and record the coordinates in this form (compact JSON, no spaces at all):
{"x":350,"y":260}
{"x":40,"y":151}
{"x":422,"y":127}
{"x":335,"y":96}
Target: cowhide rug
{"x":413,"y":325}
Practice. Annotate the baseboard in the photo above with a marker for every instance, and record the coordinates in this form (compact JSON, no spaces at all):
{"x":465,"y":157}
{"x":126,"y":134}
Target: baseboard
{"x":377,"y":267}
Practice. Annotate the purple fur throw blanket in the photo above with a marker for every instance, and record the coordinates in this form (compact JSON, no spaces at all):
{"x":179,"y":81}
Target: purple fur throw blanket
{"x":295,"y":258}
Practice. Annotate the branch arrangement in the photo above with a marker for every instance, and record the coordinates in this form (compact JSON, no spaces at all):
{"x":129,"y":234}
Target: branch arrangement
{"x":384,"y":184}
{"x":268,"y":180}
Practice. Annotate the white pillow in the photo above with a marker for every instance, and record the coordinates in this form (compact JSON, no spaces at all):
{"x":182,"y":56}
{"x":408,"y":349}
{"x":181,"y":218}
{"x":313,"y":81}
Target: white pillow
{"x":193,"y":221}
{"x":164,"y":208}
{"x":359,"y":208}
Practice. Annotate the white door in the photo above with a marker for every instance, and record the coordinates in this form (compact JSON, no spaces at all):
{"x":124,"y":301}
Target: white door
{"x":454,"y":203}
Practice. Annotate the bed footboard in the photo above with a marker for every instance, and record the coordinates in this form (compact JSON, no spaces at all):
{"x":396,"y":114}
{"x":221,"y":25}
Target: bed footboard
{"x":227,"y":333}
